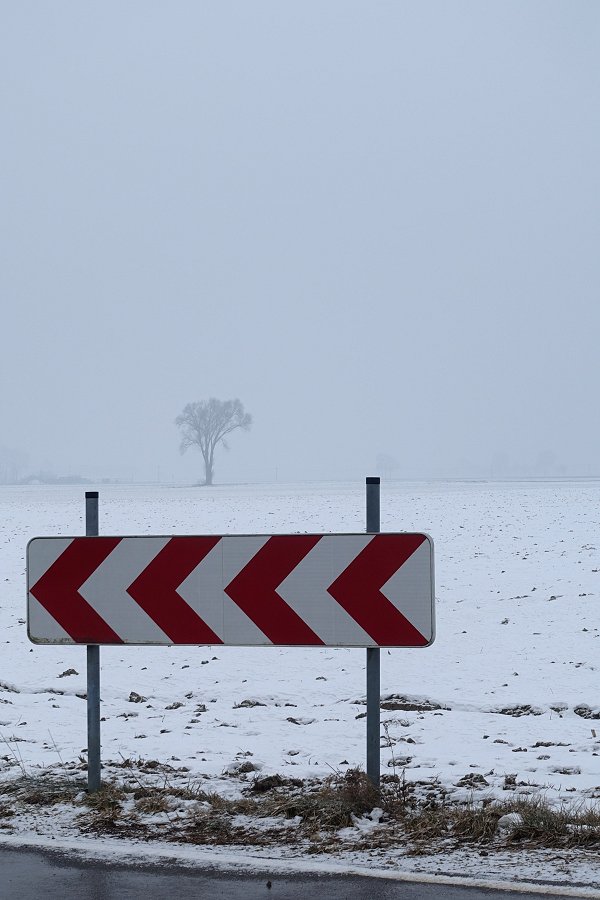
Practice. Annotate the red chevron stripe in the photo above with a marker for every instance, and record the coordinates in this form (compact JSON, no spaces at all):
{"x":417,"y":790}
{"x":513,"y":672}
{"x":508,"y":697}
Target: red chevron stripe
{"x":58,"y":590}
{"x":155,"y":590}
{"x":254,"y":589}
{"x":358,"y":590}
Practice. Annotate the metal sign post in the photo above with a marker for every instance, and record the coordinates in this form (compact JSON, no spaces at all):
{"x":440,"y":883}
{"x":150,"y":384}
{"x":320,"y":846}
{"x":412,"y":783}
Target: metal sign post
{"x":93,"y":667}
{"x":373,"y":660}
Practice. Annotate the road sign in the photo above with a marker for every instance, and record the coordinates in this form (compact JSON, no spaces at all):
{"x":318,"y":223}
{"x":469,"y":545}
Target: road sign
{"x":334,"y":590}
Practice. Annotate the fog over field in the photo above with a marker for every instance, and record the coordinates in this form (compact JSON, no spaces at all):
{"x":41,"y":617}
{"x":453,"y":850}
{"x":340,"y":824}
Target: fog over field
{"x":374,"y":223}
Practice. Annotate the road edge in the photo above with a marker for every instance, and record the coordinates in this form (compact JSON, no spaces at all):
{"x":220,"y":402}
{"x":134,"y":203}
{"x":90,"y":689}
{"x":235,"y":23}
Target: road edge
{"x":203,"y":859}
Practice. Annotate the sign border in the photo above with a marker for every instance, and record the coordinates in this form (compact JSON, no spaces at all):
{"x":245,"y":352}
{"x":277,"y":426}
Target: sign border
{"x":69,"y":537}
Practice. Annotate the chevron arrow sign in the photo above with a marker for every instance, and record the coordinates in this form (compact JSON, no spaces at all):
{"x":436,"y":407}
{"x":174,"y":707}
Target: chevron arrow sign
{"x":334,"y":590}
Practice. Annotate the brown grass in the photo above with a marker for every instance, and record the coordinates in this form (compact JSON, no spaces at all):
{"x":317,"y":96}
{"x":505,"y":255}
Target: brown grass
{"x":540,"y":825}
{"x":151,"y":804}
{"x":564,"y":827}
{"x":328,"y":806}
{"x":419,"y":816}
{"x":42,"y":791}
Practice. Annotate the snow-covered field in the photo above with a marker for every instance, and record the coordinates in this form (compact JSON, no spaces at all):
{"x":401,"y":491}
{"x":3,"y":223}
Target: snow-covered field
{"x":508,"y":691}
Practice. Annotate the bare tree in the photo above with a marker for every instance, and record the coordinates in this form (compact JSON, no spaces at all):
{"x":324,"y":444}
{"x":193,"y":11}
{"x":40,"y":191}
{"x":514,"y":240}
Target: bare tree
{"x":207,"y":423}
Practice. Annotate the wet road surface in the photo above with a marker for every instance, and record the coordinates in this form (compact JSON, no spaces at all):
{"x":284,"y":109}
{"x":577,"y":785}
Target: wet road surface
{"x":29,"y":875}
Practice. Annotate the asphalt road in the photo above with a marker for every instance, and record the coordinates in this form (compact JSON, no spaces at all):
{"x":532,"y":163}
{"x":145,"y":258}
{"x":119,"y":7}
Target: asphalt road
{"x":29,"y":875}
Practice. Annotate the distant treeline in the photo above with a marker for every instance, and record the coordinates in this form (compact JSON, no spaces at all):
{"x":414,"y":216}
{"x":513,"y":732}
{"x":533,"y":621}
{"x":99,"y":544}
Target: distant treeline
{"x":49,"y":478}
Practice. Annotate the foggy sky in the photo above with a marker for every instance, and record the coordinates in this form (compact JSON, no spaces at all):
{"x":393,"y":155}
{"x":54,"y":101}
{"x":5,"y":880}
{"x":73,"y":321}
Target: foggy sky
{"x":376,"y":223}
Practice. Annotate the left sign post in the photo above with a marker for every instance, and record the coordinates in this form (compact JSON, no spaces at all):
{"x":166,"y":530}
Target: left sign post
{"x":93,"y":668}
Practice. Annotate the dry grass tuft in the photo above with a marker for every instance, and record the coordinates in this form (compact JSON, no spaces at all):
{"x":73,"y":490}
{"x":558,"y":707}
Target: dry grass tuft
{"x":535,"y":824}
{"x":328,"y":806}
{"x":108,"y":797}
{"x":153,"y":803}
{"x":47,"y":790}
{"x":565,"y":827}
{"x":104,"y":809}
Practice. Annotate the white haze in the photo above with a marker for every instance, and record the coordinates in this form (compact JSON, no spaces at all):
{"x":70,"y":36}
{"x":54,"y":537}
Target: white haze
{"x":376,"y":223}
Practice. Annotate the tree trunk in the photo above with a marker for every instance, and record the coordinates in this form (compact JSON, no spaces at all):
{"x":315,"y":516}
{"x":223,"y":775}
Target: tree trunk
{"x":208,"y":469}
